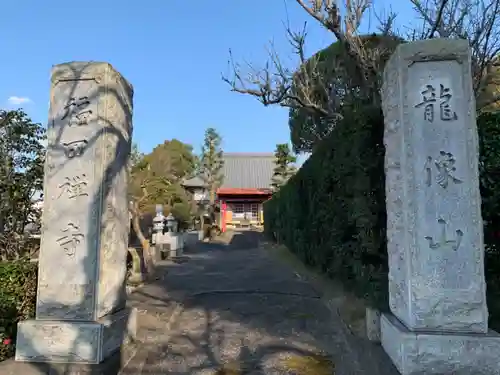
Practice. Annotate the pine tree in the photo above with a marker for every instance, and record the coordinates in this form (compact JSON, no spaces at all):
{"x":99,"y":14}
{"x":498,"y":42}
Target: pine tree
{"x":284,"y":165}
{"x":211,"y":162}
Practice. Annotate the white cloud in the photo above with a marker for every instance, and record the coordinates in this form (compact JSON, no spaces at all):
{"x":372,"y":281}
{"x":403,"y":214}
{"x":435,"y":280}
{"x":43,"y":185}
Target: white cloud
{"x":16,"y":100}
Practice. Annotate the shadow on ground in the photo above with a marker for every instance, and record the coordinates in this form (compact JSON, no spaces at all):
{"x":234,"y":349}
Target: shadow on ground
{"x":229,"y":308}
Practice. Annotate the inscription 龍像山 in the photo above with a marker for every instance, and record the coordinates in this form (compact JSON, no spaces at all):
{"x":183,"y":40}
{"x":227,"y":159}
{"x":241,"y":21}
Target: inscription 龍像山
{"x":74,"y":187}
{"x":445,"y":166}
{"x":443,"y":241}
{"x":430,"y":100}
{"x":71,"y":238}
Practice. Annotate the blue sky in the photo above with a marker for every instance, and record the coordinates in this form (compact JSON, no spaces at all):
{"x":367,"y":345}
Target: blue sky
{"x":172,"y":51}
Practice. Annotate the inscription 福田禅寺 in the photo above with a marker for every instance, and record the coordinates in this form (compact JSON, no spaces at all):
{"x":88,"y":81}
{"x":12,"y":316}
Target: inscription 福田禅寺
{"x":74,"y":148}
{"x":443,"y":241}
{"x":80,"y":119}
{"x":71,"y":238}
{"x":430,"y":99}
{"x":445,"y":166}
{"x":74,"y":187}
{"x":75,"y":105}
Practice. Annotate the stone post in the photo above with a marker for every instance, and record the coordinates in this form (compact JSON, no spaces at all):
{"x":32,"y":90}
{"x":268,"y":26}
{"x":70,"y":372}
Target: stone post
{"x":80,"y":311}
{"x":437,"y":290}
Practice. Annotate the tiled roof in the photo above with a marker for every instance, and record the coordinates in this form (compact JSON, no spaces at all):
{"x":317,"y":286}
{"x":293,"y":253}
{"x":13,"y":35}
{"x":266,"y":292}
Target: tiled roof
{"x":194,"y":182}
{"x":248,"y":170}
{"x":241,"y":191}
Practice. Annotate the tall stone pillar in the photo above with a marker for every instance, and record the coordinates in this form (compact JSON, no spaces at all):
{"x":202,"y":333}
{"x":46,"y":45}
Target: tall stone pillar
{"x":80,"y":312}
{"x":439,"y":320}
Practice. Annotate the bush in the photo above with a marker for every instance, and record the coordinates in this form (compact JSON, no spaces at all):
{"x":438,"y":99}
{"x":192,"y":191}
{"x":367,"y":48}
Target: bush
{"x":489,"y":174}
{"x":18,"y":284}
{"x":332,"y":212}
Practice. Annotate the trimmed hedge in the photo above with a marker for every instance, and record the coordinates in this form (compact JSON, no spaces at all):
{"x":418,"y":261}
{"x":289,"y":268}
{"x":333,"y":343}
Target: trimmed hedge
{"x":489,"y":183}
{"x":332,"y":213}
{"x":18,"y":285}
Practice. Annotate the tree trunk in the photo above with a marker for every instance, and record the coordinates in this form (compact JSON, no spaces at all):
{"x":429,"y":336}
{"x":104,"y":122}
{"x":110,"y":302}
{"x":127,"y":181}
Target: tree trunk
{"x":146,"y":247}
{"x":202,"y":225}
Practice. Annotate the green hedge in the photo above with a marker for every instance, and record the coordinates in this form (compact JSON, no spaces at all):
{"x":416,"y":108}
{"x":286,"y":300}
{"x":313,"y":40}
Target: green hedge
{"x":332,"y":212}
{"x":18,"y":283}
{"x":489,"y":178}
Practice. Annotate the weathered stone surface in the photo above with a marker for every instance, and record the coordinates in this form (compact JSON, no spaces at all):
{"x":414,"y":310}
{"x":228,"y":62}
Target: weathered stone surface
{"x":372,"y":320}
{"x":117,"y":328}
{"x":434,"y":225}
{"x":176,"y":241}
{"x":85,"y":219}
{"x":416,"y":353}
{"x":85,"y":223}
{"x":76,"y":342}
{"x":51,"y":341}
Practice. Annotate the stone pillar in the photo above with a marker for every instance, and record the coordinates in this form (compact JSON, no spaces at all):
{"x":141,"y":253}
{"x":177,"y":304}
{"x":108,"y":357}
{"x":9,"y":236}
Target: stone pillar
{"x":439,"y":320}
{"x":80,"y":312}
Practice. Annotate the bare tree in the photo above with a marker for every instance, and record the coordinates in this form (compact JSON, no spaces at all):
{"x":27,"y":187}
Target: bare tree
{"x":309,"y":85}
{"x":136,"y":214}
{"x":477,"y":21}
{"x":136,"y":206}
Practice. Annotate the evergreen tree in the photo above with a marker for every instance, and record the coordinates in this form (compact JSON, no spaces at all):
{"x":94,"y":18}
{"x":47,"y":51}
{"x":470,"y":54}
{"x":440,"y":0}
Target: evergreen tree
{"x":284,"y":165}
{"x":211,"y":162}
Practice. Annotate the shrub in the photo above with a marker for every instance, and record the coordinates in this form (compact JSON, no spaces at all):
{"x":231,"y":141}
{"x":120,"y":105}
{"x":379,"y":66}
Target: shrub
{"x":489,"y":175}
{"x":332,"y":213}
{"x":18,"y":284}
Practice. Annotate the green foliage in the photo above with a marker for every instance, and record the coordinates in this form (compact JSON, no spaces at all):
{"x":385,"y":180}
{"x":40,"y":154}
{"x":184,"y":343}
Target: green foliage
{"x":333,"y":68}
{"x":135,"y":156}
{"x":156,"y":177}
{"x":18,"y":284}
{"x":22,"y":156}
{"x":489,"y":172}
{"x":284,"y":165}
{"x":332,"y":213}
{"x":211,"y":162}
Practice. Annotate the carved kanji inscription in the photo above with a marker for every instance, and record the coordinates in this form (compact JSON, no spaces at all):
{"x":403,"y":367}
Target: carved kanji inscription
{"x":71,"y":238}
{"x":430,"y":100}
{"x":75,"y":186}
{"x":444,"y":168}
{"x":74,"y":148}
{"x":443,"y":241}
{"x":75,"y":106}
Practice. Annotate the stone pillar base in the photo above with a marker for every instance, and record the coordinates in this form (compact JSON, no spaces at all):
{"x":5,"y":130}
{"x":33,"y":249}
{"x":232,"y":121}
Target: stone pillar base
{"x":74,"y":342}
{"x":431,"y":353}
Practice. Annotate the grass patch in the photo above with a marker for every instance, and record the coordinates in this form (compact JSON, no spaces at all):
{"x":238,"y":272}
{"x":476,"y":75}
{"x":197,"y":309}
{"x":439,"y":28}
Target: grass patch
{"x":309,"y":365}
{"x":314,"y":364}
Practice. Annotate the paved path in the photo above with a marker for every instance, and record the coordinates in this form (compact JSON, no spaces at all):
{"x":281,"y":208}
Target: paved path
{"x":235,"y":305}
{"x":232,"y":305}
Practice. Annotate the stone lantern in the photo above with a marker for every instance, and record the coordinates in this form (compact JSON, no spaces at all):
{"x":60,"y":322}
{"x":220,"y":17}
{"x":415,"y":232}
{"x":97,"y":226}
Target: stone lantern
{"x":171,"y":223}
{"x":158,"y":225}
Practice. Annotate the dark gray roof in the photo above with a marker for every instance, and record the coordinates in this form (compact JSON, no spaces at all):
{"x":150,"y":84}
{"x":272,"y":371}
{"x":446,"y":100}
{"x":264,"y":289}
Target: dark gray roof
{"x":194,"y":182}
{"x":248,"y":170}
